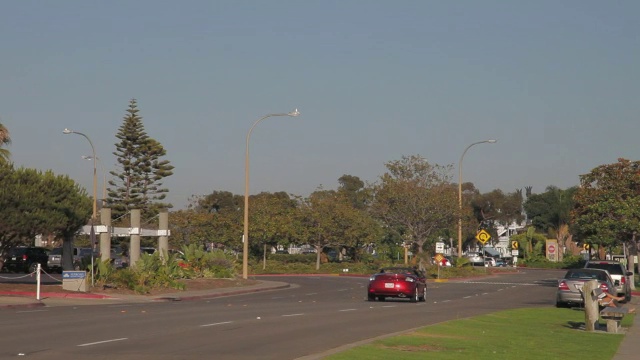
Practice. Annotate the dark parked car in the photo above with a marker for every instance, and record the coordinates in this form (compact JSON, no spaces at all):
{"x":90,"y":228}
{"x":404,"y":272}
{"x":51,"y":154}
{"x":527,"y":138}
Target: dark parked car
{"x":501,"y":263}
{"x":398,"y":282}
{"x":26,"y":259}
{"x":569,"y":290}
{"x":621,"y":277}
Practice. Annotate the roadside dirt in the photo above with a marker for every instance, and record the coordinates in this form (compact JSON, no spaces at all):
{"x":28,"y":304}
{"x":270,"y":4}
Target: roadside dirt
{"x":191,"y":285}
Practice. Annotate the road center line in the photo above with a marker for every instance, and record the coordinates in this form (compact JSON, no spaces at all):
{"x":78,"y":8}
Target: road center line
{"x":102,"y":342}
{"x":215,"y":324}
{"x":347,"y":310}
{"x":289,"y":315}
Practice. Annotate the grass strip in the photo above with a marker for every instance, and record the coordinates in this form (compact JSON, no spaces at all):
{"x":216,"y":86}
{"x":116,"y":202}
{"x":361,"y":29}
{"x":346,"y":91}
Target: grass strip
{"x":531,"y":333}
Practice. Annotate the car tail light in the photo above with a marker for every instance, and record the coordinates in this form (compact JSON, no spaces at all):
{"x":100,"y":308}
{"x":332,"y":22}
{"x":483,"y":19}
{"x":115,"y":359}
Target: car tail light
{"x":24,"y":257}
{"x":623,"y":280}
{"x":563,"y":286}
{"x":604,"y":287}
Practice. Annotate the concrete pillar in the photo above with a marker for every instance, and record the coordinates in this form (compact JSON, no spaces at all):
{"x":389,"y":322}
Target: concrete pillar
{"x":591,"y":313}
{"x":105,"y":237}
{"x":163,"y":239}
{"x":134,"y":244}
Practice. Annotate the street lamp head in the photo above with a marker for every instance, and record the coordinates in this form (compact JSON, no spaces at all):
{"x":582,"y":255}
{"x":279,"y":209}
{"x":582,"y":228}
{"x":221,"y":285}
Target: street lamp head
{"x":66,"y":131}
{"x":294,"y":113}
{"x":492,"y":141}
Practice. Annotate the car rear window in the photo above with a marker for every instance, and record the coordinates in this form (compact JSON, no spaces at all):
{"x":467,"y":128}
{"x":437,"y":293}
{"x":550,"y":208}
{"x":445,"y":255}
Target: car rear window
{"x":613,"y":269}
{"x":17,"y":251}
{"x":582,"y":274}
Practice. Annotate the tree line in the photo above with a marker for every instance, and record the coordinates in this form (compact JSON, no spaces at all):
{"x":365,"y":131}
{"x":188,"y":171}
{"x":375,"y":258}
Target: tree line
{"x":413,"y":204}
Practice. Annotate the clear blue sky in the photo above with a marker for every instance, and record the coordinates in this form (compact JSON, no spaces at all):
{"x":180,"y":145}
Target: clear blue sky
{"x":556,"y":82}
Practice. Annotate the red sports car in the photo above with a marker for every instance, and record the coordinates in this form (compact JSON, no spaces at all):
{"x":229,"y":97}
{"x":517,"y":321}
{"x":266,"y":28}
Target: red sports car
{"x":398,"y":282}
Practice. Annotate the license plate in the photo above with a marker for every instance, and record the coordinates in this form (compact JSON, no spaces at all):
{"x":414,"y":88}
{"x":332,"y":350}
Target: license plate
{"x":389,"y":285}
{"x":13,"y":258}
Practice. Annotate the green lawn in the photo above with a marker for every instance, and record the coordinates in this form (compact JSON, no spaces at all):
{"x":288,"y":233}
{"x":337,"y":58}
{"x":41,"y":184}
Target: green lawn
{"x":537,"y":333}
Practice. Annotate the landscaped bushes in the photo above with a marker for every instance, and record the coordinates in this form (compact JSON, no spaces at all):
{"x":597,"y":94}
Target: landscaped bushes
{"x":152,"y":271}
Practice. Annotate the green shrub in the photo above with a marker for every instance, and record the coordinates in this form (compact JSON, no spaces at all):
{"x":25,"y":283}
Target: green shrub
{"x":573,"y":262}
{"x":540,"y":262}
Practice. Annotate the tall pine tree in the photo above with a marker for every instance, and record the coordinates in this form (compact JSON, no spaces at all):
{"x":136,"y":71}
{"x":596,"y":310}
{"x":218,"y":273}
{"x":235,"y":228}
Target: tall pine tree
{"x":138,"y":182}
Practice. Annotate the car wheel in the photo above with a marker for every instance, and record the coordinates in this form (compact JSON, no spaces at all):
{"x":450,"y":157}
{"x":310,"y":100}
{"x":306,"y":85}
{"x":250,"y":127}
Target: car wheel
{"x":560,"y":304}
{"x":424,"y":294}
{"x":371,"y":297}
{"x":415,"y":297}
{"x":33,"y":267}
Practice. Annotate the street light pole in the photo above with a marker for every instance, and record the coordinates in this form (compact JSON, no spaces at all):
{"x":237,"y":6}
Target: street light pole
{"x":245,"y":236}
{"x":104,"y":177}
{"x":95,"y":172}
{"x":95,"y":194}
{"x":491,"y":141}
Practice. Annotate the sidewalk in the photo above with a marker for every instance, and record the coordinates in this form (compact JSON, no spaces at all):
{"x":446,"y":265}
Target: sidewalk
{"x":630,"y":347}
{"x":20,"y":299}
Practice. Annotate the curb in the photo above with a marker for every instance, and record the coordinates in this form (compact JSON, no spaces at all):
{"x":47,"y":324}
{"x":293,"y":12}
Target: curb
{"x":54,"y":295}
{"x":213,"y":294}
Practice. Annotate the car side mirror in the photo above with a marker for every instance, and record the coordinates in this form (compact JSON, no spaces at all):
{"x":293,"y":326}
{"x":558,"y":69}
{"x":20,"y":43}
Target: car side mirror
{"x":629,"y":273}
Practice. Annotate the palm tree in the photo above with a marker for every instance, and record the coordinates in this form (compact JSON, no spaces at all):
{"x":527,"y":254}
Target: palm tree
{"x":4,"y":140}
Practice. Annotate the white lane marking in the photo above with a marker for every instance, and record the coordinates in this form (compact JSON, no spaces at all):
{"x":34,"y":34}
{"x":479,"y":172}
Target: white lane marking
{"x":30,"y":311}
{"x":102,"y":342}
{"x":389,"y":306}
{"x":500,"y":289}
{"x":485,"y":293}
{"x":445,"y":300}
{"x":309,"y":294}
{"x":466,"y":297}
{"x":289,"y":315}
{"x":216,"y":324}
{"x":347,"y":310}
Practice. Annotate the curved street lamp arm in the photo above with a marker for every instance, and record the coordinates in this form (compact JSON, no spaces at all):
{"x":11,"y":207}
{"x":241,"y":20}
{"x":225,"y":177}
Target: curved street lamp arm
{"x":245,"y":235}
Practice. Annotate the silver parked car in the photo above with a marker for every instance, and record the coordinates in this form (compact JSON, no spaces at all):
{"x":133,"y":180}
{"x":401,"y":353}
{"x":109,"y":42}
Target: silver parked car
{"x":475,"y":258}
{"x":569,"y":290}
{"x":81,"y":258}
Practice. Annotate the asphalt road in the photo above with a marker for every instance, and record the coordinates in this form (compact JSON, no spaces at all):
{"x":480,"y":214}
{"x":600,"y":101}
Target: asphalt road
{"x":316,"y":316}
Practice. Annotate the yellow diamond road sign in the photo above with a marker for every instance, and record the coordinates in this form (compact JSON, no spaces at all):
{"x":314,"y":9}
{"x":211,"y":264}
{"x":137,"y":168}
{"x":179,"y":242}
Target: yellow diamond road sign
{"x":483,"y":236}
